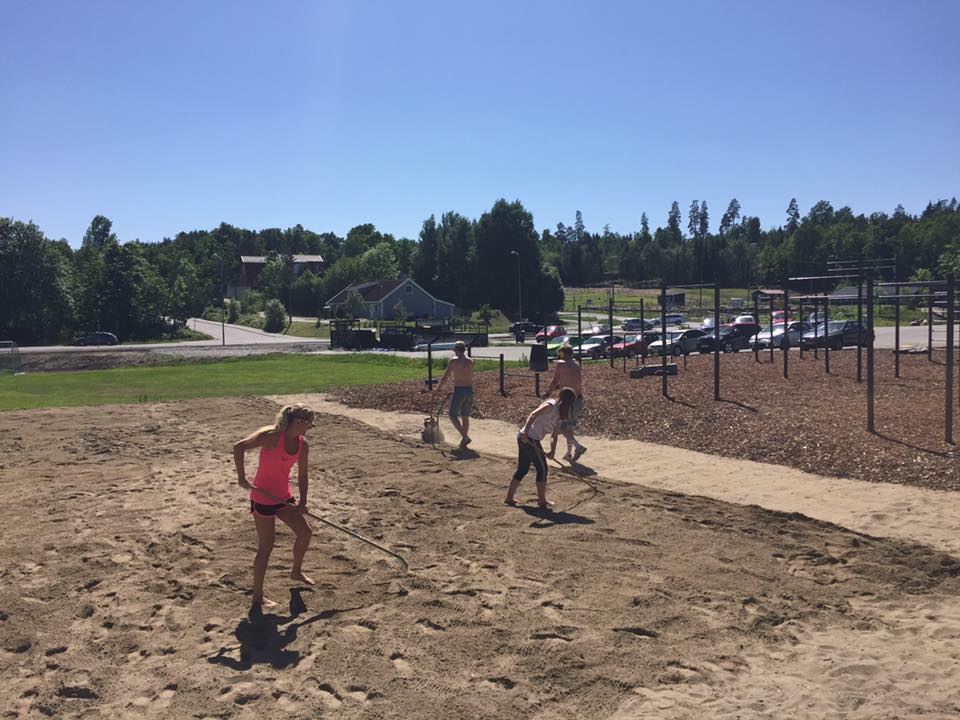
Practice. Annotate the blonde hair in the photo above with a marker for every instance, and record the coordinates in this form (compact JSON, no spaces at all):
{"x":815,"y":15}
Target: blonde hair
{"x":566,"y":349}
{"x":565,"y":400}
{"x":292,"y":412}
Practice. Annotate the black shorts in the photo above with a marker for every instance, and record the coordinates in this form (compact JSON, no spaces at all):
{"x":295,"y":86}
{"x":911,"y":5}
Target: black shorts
{"x":261,"y":509}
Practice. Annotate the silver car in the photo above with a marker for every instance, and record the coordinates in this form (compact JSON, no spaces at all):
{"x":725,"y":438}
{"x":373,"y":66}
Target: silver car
{"x":775,"y":335}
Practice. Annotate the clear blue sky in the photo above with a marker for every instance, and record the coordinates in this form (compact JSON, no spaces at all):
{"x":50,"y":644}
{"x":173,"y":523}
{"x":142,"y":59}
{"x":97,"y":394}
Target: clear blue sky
{"x":173,"y":116}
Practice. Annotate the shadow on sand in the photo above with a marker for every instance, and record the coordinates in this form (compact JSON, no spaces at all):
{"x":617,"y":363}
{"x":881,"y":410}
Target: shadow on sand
{"x":264,"y":639}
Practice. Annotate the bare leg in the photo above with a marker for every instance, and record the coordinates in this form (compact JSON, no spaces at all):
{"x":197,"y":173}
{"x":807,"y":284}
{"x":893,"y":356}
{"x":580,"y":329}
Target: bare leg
{"x":457,"y":425}
{"x":265,"y":534}
{"x":298,"y":523}
{"x":542,"y":495}
{"x":514,"y":484}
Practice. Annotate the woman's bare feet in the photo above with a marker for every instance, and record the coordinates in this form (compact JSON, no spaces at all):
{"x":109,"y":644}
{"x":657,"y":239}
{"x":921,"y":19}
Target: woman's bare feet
{"x":299,"y":576}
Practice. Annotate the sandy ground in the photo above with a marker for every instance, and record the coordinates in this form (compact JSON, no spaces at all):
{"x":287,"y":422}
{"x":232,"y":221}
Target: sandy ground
{"x":127,"y":570}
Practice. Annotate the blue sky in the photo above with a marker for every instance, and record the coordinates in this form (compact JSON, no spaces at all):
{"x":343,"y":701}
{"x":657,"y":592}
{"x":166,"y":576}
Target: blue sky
{"x":177,"y":116}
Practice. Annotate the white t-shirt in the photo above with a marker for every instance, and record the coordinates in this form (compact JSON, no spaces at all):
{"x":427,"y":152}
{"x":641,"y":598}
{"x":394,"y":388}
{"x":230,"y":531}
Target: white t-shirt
{"x":543,"y":424}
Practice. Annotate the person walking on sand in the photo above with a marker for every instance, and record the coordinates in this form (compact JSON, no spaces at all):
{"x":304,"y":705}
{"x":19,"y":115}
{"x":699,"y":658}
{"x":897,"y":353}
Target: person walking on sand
{"x":461,"y":403}
{"x":282,"y":446}
{"x":538,"y":424}
{"x":568,"y":373}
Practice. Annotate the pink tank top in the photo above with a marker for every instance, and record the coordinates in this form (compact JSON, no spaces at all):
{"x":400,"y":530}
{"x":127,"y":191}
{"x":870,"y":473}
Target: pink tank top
{"x":273,"y":472}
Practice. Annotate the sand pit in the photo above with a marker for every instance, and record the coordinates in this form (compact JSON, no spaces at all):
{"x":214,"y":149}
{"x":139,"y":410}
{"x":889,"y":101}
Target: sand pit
{"x":127,"y":571}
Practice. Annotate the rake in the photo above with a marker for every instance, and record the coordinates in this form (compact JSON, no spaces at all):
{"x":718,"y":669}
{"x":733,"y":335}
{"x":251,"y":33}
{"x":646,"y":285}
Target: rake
{"x":341,"y":528}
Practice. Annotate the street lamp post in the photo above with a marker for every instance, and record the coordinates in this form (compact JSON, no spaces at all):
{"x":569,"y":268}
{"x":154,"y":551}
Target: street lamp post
{"x":519,"y":294}
{"x":223,"y":327}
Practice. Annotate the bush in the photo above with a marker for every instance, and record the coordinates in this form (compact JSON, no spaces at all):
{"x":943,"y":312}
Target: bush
{"x":276,"y":316}
{"x":233,"y":312}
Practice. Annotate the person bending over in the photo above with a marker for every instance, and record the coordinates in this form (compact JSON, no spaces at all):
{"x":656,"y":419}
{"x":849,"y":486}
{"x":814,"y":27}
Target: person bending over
{"x":282,"y":446}
{"x":539,"y":424}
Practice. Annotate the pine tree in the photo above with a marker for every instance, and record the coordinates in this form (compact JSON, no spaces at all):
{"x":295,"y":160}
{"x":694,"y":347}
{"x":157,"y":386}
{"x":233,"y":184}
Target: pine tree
{"x":793,"y":216}
{"x":693,"y":219}
{"x":730,"y":217}
{"x":704,"y":228}
{"x":673,"y":223}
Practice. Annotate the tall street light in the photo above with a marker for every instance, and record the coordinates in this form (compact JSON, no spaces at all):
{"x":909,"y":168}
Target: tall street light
{"x":223,"y":328}
{"x":519,"y":295}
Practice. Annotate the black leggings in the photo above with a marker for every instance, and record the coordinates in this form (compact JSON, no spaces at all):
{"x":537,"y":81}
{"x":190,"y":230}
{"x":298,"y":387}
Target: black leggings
{"x":530,"y":451}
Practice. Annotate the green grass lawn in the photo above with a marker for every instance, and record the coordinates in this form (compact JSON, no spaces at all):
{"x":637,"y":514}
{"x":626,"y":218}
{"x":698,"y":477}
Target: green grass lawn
{"x":263,"y":375}
{"x":309,"y":330}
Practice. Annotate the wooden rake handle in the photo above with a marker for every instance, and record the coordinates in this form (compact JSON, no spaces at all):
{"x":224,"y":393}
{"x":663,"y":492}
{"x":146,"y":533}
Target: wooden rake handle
{"x":334,"y":525}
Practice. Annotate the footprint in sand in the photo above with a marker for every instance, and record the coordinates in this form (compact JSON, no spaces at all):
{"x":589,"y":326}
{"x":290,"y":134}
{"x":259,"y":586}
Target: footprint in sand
{"x":430,"y":627}
{"x":402,"y":666}
{"x":325,"y":692}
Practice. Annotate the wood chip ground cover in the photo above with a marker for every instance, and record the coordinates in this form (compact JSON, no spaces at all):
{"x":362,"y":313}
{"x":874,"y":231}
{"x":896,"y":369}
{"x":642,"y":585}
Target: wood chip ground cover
{"x":812,"y":421}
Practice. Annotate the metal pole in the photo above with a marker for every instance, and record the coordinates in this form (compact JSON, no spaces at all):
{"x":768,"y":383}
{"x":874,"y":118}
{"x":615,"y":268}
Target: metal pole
{"x":643,"y":330}
{"x":663,"y":338}
{"x":610,"y":329}
{"x":501,"y":375}
{"x":800,"y":329}
{"x":430,"y":365}
{"x":826,"y":334}
{"x":756,"y":316}
{"x":931,"y":291}
{"x":870,"y":418}
{"x":949,"y":363}
{"x":860,"y":324}
{"x":816,"y":329}
{"x":223,"y":327}
{"x":896,"y":334}
{"x":536,"y":383}
{"x":580,"y":333}
{"x":786,"y":324}
{"x":716,"y":342}
{"x":771,"y":329}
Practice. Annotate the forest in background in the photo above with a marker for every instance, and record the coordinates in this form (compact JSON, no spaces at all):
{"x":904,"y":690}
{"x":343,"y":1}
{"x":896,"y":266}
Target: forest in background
{"x":49,"y":291}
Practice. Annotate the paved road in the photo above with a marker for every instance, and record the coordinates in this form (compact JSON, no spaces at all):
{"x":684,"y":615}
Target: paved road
{"x":232,"y":334}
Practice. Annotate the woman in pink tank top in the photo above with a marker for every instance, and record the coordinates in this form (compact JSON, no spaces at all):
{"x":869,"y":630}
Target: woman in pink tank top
{"x":282,"y":446}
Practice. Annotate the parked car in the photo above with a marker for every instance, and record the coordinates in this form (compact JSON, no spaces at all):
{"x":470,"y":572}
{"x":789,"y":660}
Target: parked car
{"x":677,"y":343}
{"x":636,"y":324}
{"x":836,"y":334}
{"x":554,"y":344}
{"x":524,"y":326}
{"x":774,"y":334}
{"x":634,"y":344}
{"x":550,"y":332}
{"x":97,"y":338}
{"x":747,"y":324}
{"x":596,"y":346}
{"x":733,"y":338}
{"x":778,"y":316}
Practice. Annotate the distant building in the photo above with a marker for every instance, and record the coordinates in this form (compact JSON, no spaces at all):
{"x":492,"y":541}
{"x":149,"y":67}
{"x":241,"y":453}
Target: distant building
{"x":380,"y":298}
{"x":253,"y":265}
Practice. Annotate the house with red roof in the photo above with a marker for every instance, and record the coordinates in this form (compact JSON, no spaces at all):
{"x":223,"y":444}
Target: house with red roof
{"x":381,"y":297}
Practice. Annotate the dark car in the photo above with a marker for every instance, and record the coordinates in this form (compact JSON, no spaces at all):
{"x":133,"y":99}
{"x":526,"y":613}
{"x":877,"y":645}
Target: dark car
{"x":733,"y":338}
{"x":836,"y":335}
{"x":636,"y":324}
{"x":524,"y":326}
{"x":596,"y":346}
{"x":97,"y":338}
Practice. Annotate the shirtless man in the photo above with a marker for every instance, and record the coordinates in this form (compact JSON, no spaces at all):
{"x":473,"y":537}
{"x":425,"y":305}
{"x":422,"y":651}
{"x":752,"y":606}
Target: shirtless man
{"x":461,"y":368}
{"x":567,"y":373}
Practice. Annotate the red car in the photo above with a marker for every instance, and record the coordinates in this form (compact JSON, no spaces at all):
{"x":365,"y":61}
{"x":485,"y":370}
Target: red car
{"x":550,"y":332}
{"x":634,"y":344}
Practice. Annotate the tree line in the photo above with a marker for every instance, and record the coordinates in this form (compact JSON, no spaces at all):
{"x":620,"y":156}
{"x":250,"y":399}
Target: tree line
{"x":48,"y":291}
